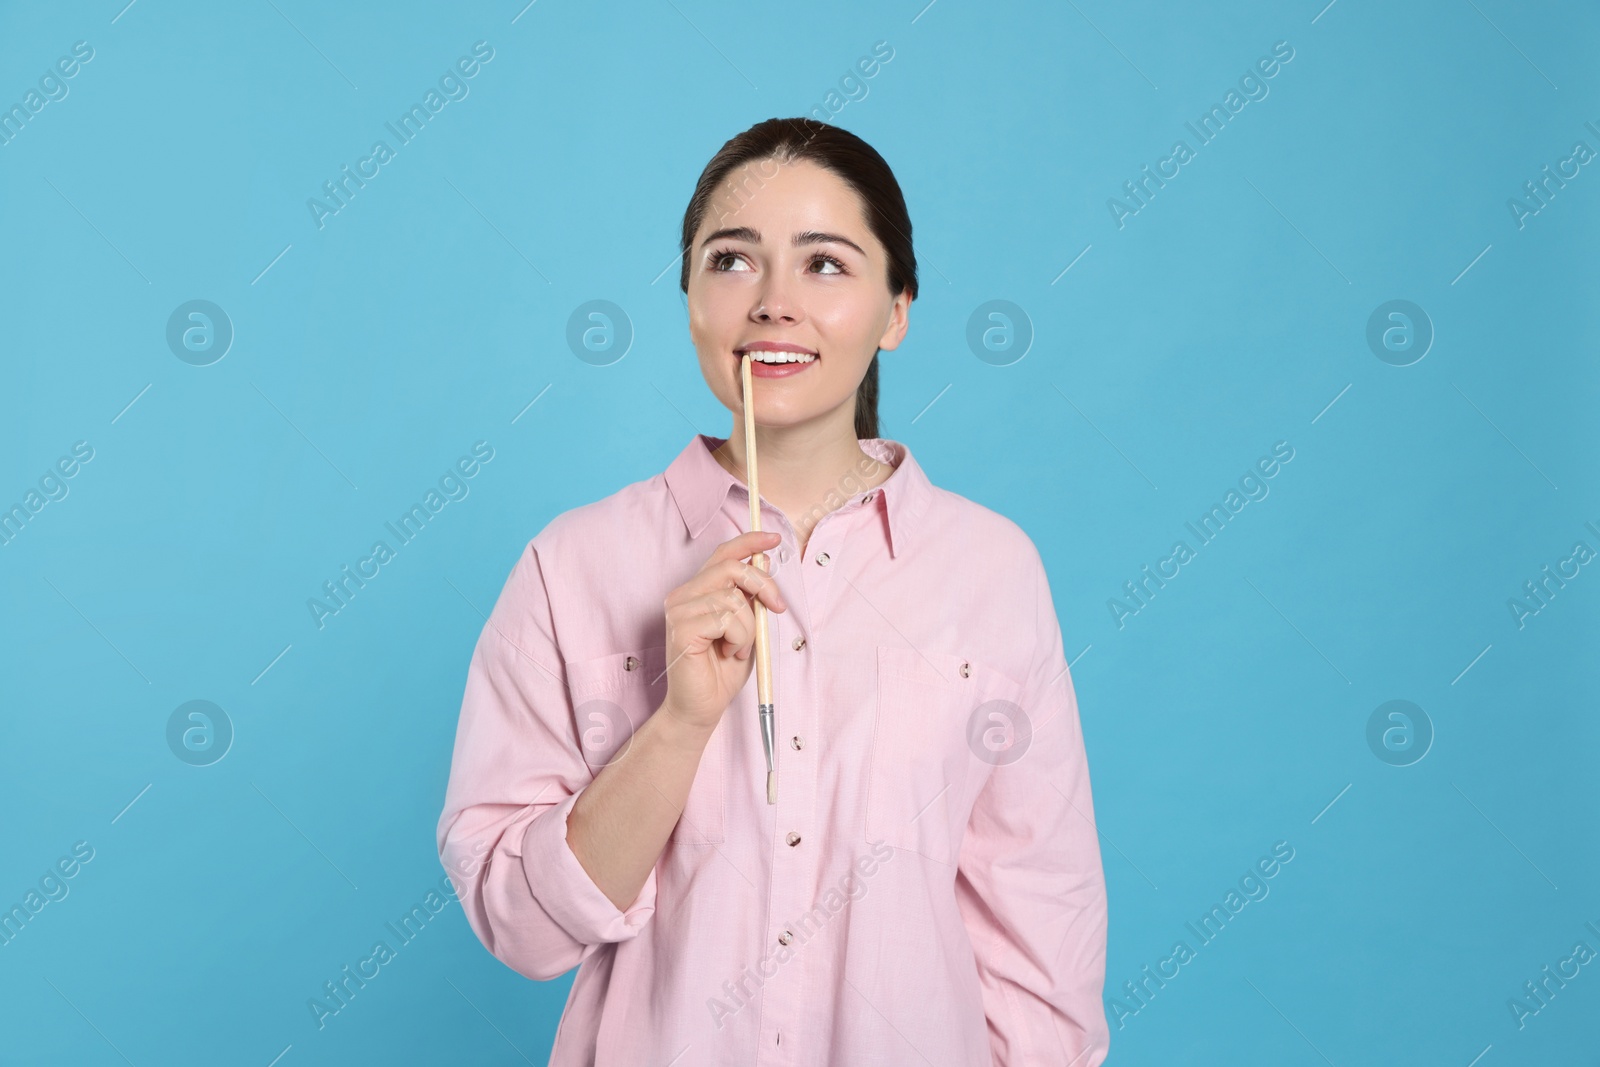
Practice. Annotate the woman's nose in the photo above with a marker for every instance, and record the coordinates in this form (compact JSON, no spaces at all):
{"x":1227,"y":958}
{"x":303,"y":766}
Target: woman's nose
{"x":776,"y":303}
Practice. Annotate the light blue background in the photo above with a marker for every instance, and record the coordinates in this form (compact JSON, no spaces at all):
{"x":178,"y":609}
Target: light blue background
{"x":1230,"y":313}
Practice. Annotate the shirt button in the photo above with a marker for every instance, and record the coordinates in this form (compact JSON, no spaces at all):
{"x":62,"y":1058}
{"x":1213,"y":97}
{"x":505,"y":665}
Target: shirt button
{"x":799,"y":643}
{"x":796,"y":743}
{"x":632,"y":664}
{"x":966,"y":669}
{"x":793,"y":839}
{"x":867,"y":499}
{"x":822,"y":560}
{"x":785,"y":937}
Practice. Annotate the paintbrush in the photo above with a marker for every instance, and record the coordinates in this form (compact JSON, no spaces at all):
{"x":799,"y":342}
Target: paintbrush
{"x":759,"y":561}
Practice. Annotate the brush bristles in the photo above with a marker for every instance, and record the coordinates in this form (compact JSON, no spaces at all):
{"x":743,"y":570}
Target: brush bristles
{"x":772,"y":787}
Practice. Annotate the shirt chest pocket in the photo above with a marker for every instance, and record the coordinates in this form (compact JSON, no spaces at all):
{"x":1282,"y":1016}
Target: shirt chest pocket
{"x":612,"y":696}
{"x":928,"y":755}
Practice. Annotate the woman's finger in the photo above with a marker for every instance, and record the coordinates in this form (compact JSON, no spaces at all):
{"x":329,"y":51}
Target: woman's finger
{"x":756,"y":582}
{"x":708,"y":619}
{"x":726,"y":614}
{"x":743,"y":546}
{"x":735,"y":572}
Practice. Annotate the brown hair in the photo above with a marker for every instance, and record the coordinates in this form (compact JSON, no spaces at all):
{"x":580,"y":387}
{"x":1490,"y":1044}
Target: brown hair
{"x":852,"y":159}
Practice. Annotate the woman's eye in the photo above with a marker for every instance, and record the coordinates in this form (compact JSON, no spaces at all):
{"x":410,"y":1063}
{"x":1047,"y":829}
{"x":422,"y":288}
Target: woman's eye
{"x":838,"y":268}
{"x":720,"y":258}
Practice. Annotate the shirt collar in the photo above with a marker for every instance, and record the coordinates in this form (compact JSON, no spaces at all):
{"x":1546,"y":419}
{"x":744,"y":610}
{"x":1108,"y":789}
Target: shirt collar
{"x":699,"y":486}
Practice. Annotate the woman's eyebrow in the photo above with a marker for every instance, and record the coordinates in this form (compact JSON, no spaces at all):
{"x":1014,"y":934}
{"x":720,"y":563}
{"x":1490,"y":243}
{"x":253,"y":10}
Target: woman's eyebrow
{"x":813,"y":237}
{"x":801,"y":239}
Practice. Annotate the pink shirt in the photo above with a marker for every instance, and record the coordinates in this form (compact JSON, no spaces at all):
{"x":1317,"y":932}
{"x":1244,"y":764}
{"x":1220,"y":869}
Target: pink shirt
{"x":927,"y":888}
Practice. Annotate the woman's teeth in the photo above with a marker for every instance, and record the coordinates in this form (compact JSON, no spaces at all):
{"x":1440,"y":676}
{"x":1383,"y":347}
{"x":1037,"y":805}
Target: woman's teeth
{"x":781,"y":357}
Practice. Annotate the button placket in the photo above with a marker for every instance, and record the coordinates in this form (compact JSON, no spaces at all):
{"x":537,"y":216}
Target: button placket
{"x":793,"y":867}
{"x":807,"y":584}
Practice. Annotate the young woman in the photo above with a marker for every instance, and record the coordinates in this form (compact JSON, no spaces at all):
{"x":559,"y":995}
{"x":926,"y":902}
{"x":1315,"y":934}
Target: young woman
{"x":927,"y":888}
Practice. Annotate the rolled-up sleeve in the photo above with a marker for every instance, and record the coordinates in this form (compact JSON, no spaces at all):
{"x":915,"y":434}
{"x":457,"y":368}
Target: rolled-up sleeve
{"x":516,"y":771}
{"x":1029,"y":881}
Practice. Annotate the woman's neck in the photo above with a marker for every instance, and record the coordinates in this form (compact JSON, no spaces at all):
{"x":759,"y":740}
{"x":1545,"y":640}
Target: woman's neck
{"x":803,"y":471}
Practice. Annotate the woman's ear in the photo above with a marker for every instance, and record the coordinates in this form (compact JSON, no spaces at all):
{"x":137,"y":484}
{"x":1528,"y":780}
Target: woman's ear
{"x":899,"y":322}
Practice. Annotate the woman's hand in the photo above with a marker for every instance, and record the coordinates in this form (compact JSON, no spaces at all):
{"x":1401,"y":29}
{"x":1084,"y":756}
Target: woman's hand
{"x":711,"y":630}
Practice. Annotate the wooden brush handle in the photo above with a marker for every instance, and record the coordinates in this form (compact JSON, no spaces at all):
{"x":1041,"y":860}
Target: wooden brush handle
{"x":759,"y":559}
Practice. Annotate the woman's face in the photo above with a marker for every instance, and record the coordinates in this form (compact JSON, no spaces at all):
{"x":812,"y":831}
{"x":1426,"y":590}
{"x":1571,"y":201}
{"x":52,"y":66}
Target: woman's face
{"x":784,"y":255}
